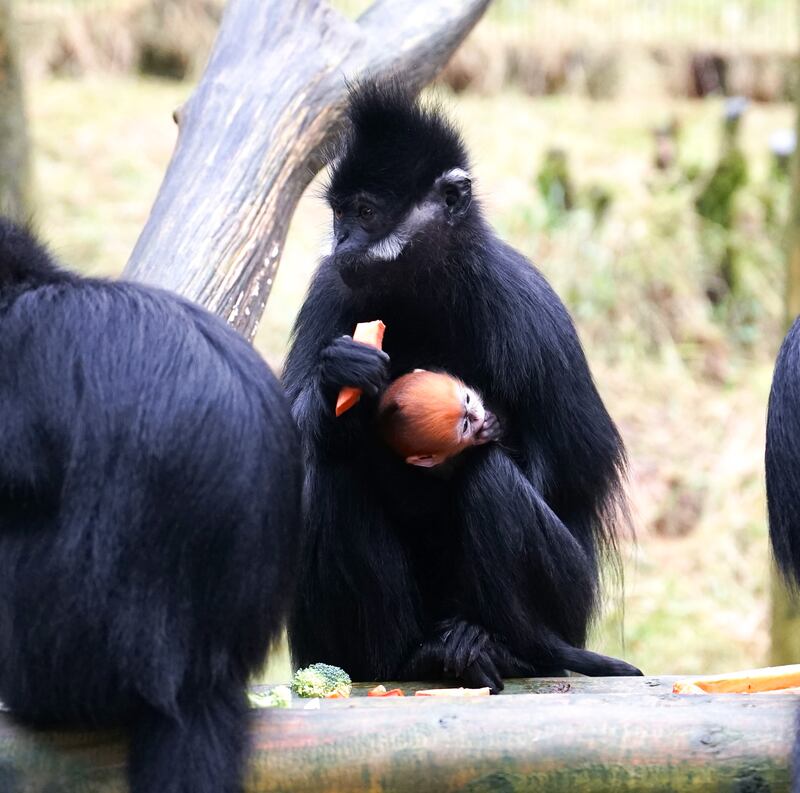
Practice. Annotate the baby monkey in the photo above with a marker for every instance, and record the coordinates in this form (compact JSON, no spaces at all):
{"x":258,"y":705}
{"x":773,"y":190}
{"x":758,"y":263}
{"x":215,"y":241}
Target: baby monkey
{"x":429,"y":417}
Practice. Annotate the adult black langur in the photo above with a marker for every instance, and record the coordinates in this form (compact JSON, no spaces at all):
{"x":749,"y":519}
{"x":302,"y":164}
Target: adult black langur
{"x":783,"y":475}
{"x":492,"y":571}
{"x":149,"y":503}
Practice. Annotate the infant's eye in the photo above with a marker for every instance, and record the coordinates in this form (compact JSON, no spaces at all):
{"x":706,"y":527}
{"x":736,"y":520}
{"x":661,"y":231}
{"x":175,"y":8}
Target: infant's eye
{"x":466,"y":425}
{"x":338,"y":213}
{"x":365,"y":212}
{"x":468,"y":397}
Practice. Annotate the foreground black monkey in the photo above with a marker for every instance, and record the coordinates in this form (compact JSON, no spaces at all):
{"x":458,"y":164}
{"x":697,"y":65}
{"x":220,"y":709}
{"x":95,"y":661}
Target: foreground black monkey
{"x":783,"y":474}
{"x":490,"y":572}
{"x":149,"y":502}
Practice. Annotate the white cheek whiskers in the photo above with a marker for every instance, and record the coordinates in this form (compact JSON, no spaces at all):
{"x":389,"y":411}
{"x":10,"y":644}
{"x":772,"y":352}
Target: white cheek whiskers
{"x":389,"y":248}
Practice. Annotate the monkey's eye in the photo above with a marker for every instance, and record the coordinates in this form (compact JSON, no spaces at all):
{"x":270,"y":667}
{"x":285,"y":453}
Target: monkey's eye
{"x":365,"y":212}
{"x":467,"y":397}
{"x":338,"y":213}
{"x":466,"y":426}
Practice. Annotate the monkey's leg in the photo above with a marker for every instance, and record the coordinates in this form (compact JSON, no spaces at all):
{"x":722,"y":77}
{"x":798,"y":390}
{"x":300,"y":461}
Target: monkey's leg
{"x":524,"y":576}
{"x":199,"y":750}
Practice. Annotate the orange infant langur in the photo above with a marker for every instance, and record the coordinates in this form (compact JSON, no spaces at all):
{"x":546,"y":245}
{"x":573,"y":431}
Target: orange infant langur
{"x":428,"y":417}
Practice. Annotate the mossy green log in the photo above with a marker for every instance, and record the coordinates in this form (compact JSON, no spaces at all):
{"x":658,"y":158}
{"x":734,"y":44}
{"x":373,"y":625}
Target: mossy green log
{"x":596,"y":735}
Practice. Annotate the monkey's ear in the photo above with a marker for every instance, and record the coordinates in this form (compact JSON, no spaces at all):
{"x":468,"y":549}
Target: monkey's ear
{"x":425,"y":460}
{"x":455,"y":189}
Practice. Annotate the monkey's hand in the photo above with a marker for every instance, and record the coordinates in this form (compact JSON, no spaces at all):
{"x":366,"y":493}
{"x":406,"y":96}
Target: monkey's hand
{"x":467,"y":653}
{"x":345,"y":362}
{"x":457,"y":650}
{"x":490,"y":431}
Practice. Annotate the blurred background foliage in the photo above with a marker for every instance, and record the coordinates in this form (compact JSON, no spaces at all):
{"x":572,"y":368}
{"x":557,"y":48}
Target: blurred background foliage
{"x":608,"y":146}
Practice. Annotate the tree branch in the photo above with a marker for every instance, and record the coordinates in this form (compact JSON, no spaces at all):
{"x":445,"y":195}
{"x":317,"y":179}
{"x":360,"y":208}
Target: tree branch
{"x":601,"y":734}
{"x":251,"y":135}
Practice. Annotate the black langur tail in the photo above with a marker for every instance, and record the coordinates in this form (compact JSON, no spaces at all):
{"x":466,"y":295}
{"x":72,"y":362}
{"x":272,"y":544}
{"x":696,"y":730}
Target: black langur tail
{"x":201,"y":750}
{"x":592,"y":664}
{"x":559,"y":656}
{"x":783,"y":457}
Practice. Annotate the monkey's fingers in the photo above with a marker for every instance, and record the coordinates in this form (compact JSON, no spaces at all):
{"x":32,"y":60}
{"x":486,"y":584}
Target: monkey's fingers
{"x":483,"y":674}
{"x":463,"y":646}
{"x":355,"y":365}
{"x":490,"y":429}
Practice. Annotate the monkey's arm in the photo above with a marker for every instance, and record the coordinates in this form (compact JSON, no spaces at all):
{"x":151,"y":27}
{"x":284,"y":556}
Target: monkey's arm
{"x":525,"y":576}
{"x":322,"y":359}
{"x":23,"y":471}
{"x":357,"y":603}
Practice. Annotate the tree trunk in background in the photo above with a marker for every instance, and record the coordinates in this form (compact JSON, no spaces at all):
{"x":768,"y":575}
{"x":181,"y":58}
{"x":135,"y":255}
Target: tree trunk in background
{"x":252,"y":136}
{"x":785,"y":615}
{"x":14,"y":154}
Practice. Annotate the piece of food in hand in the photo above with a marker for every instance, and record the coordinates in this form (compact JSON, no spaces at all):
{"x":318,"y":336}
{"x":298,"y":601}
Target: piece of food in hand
{"x":749,"y":681}
{"x":365,"y":333}
{"x":453,"y":692}
{"x":380,"y":691}
{"x":321,"y":680}
{"x":277,"y":697}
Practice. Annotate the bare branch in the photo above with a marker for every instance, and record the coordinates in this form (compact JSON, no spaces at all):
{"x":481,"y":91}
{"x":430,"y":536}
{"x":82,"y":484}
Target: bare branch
{"x":250,"y":136}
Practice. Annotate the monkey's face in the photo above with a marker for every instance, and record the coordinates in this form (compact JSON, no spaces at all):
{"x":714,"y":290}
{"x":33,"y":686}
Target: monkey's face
{"x":373,"y":232}
{"x":473,"y":417}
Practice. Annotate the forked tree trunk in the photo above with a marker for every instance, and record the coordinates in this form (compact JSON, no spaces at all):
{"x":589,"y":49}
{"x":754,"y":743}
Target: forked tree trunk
{"x":251,"y":136}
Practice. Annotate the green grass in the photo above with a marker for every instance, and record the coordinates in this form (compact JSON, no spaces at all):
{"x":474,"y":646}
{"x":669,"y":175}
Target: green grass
{"x":689,"y":400}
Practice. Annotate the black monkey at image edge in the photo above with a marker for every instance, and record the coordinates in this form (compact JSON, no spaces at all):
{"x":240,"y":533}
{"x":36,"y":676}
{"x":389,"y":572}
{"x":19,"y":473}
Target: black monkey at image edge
{"x":149,"y":504}
{"x":783,"y":476}
{"x":491,"y":572}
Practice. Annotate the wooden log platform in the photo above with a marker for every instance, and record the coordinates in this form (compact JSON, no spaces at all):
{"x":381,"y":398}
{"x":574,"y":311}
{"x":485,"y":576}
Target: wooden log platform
{"x":568,"y":734}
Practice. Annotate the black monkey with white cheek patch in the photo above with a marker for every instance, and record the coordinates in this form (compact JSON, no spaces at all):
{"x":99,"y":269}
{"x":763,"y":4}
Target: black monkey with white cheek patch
{"x":149,"y":506}
{"x":783,"y":475}
{"x":491,"y":572}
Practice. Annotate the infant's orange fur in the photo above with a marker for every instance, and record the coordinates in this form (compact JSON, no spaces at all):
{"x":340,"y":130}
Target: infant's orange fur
{"x":428,"y":417}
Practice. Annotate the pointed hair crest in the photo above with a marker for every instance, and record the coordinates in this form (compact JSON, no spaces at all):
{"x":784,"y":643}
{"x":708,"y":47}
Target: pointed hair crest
{"x":394,"y":144}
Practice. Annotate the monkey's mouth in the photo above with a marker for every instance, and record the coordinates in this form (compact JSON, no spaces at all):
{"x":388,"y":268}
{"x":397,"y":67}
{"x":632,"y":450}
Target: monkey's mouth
{"x":352,"y":269}
{"x":359,"y":269}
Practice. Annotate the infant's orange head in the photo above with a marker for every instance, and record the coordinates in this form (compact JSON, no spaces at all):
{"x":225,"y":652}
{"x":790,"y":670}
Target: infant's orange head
{"x":427,"y":417}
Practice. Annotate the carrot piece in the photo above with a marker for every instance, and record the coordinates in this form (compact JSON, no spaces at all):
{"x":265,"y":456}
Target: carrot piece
{"x":335,"y":695}
{"x":453,"y":692}
{"x":366,"y":333}
{"x":750,"y":681}
{"x":380,"y":691}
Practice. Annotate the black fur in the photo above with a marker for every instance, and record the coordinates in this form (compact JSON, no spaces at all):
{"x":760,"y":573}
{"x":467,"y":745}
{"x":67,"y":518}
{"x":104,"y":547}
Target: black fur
{"x":490,"y":572}
{"x":783,"y":456}
{"x":149,"y":501}
{"x":783,"y":474}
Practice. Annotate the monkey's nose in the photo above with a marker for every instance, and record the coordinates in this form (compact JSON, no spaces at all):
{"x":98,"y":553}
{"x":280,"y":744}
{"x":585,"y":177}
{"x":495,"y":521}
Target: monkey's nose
{"x":342,"y":236}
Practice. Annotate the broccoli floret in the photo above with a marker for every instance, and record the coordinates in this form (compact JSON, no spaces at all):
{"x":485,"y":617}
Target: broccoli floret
{"x":278,"y":697}
{"x":321,"y":680}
